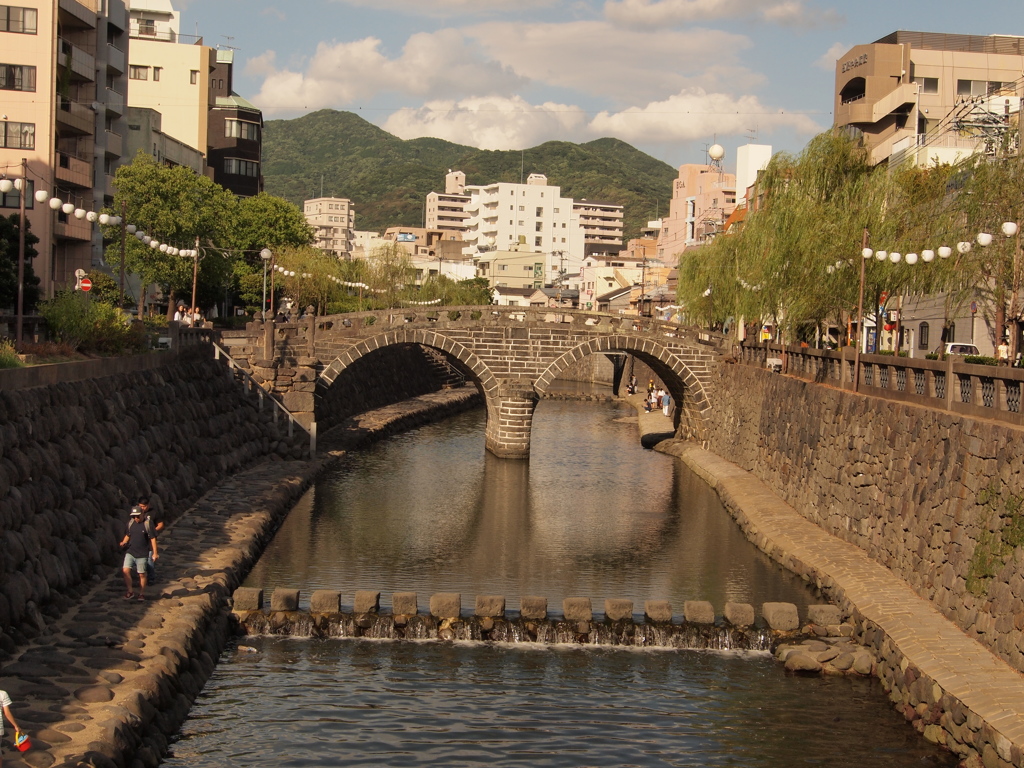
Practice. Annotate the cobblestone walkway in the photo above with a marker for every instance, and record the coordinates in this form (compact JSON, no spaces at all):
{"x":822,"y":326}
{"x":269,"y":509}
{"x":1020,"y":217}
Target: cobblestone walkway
{"x":964,"y":669}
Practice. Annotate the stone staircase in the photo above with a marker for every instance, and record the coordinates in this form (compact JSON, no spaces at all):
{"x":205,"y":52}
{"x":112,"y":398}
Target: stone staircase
{"x":446,"y":373}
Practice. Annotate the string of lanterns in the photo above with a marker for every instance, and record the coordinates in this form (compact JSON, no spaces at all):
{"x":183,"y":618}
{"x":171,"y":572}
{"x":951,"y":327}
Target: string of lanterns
{"x":984,"y":239}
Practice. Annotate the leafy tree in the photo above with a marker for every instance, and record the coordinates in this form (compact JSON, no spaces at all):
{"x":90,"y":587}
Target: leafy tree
{"x":104,"y":288}
{"x":474,"y":291}
{"x":174,"y":205}
{"x":390,"y":275}
{"x":9,"y":265}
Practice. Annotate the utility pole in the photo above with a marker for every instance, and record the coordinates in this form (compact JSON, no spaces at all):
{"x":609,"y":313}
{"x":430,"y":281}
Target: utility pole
{"x":860,"y":311}
{"x":19,"y":329}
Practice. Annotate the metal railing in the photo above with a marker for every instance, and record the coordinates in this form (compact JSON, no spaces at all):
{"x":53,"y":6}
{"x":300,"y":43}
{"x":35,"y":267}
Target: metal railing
{"x":250,"y":386}
{"x":984,"y":391}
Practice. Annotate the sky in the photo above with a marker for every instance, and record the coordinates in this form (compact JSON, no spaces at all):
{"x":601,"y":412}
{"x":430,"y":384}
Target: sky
{"x":670,"y":77}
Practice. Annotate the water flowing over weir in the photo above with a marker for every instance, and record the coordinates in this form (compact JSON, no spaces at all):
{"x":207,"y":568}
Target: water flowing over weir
{"x":590,"y":515}
{"x":548,"y":632}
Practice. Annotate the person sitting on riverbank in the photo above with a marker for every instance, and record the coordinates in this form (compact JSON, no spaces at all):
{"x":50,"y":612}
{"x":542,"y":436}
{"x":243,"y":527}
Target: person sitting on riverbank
{"x":140,"y":544}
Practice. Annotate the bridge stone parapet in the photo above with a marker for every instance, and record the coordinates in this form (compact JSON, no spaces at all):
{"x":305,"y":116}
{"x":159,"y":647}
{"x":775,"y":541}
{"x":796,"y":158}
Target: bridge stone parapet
{"x":511,"y":354}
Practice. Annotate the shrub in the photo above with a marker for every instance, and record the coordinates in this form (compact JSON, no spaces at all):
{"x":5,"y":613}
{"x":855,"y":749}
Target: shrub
{"x":91,"y":326}
{"x":8,"y":355}
{"x":980,"y":360}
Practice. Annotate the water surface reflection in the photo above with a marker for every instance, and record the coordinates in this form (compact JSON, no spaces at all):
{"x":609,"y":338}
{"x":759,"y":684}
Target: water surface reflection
{"x":591,"y":514}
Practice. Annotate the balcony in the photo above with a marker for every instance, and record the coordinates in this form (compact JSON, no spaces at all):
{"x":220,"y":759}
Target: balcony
{"x":73,"y":170}
{"x":114,"y":102}
{"x":72,"y":229}
{"x":84,"y":11}
{"x":115,"y":59}
{"x":114,"y":144}
{"x":74,"y":58}
{"x":79,"y":117}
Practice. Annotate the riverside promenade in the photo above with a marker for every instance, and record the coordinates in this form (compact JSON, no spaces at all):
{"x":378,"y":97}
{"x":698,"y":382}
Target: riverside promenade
{"x":110,"y":681}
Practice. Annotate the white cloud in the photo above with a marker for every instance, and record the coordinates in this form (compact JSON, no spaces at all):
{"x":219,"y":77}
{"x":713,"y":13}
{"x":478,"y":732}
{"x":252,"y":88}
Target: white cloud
{"x":451,"y":7}
{"x":828,"y":60}
{"x":490,"y":122}
{"x":598,"y":58}
{"x":513,"y":123}
{"x":662,"y":13}
{"x":433,"y":65}
{"x":696,"y":114}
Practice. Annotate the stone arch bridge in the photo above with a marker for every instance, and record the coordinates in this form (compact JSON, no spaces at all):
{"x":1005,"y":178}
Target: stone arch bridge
{"x":512,"y":355}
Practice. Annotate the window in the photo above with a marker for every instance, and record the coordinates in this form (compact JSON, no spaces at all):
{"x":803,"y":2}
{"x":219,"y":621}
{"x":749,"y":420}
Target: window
{"x":521,"y":223}
{"x":194,"y":78}
{"x":147,"y":27}
{"x":15,"y":77}
{"x":17,"y":135}
{"x":928,"y":84}
{"x":922,"y":336}
{"x":539,"y":227}
{"x":967,"y":88}
{"x":536,"y":240}
{"x":239,"y":129}
{"x":238,"y":167}
{"x":556,"y":210}
{"x":13,"y":198}
{"x":156,"y":73}
{"x":522,"y":207}
{"x":14,"y":19}
{"x":528,"y":269}
{"x":540,"y":211}
{"x":138,"y":73}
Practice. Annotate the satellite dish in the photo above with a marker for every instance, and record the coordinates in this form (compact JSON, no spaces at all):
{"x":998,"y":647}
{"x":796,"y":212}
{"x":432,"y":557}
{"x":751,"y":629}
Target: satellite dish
{"x":716,"y":152}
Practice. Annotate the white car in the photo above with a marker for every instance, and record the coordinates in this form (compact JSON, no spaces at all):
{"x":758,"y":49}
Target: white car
{"x":959,"y":348}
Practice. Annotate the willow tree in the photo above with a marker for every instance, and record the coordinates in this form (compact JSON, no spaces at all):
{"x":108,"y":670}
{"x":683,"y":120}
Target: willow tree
{"x":390,"y":275}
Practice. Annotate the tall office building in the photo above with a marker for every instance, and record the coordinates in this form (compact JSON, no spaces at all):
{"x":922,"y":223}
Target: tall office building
{"x":928,"y":96}
{"x":62,"y":74}
{"x":702,"y":198}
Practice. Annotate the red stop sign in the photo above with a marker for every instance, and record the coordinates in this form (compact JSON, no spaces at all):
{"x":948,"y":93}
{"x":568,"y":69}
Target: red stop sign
{"x":86,"y":284}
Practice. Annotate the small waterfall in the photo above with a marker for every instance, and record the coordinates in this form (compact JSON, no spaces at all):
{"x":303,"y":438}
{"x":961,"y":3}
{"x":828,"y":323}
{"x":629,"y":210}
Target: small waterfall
{"x":626,"y":633}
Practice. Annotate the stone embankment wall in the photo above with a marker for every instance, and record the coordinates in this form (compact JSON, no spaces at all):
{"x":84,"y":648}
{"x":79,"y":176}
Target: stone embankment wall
{"x":934,"y":497}
{"x":78,"y":448}
{"x":597,"y":369}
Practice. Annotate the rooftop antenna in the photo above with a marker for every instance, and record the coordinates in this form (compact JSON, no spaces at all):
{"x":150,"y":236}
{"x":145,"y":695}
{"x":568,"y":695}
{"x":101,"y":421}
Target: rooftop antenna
{"x":228,"y":45}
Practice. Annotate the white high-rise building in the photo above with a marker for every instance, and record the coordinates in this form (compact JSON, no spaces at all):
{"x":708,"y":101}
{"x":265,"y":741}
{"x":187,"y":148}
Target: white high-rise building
{"x":532,"y":216}
{"x":333,"y":220}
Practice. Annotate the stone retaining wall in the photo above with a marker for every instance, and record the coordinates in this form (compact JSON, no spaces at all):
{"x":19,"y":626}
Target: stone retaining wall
{"x":932,"y":496}
{"x":77,"y":453}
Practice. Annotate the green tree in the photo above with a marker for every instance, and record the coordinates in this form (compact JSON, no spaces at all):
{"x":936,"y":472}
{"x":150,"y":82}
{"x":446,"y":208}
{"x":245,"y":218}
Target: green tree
{"x":390,"y":275}
{"x":104,"y":288}
{"x":176,"y":206}
{"x":9,"y":265}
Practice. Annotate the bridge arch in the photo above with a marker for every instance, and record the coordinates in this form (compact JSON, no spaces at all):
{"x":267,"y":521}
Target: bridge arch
{"x":683,"y":384}
{"x":469,"y":362}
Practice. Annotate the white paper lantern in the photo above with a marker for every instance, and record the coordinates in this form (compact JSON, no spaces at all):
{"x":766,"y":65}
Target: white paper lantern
{"x":895,"y":257}
{"x":881,"y":255}
{"x":56,"y":202}
{"x":104,"y":219}
{"x":19,"y":184}
{"x":911,"y":258}
{"x":963,"y":247}
{"x":1009,"y":228}
{"x":68,"y":208}
{"x":163,"y":247}
{"x":945,"y":252}
{"x":6,"y":185}
{"x":42,"y":196}
{"x":927,"y":256}
{"x":131,"y":229}
{"x":984,"y":238}
{"x":154,"y":244}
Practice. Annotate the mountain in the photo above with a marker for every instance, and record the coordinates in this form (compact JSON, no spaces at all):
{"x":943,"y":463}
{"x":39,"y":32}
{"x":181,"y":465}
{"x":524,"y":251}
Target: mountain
{"x":388,"y":179}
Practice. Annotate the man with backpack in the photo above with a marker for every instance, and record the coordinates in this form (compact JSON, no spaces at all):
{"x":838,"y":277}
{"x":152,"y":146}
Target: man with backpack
{"x":140,"y":539}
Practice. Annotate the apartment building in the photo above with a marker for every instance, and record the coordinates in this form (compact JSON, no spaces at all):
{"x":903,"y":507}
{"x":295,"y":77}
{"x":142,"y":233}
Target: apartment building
{"x":333,"y":220}
{"x":62,"y":74}
{"x":190,"y":84}
{"x":447,"y":211}
{"x":528,"y":217}
{"x":702,"y":198}
{"x":145,"y":134}
{"x":601,"y":224}
{"x":929,"y":97}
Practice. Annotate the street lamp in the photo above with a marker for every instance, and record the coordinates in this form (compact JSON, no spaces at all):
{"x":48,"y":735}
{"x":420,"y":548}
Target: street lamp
{"x":266,"y":255}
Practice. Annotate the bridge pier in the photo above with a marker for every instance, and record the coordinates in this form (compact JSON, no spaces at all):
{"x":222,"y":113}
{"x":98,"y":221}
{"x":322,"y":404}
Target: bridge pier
{"x":509,"y":424}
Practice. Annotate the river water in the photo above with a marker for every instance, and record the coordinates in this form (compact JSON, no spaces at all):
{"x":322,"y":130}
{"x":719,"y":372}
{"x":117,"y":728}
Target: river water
{"x":590,"y":515}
